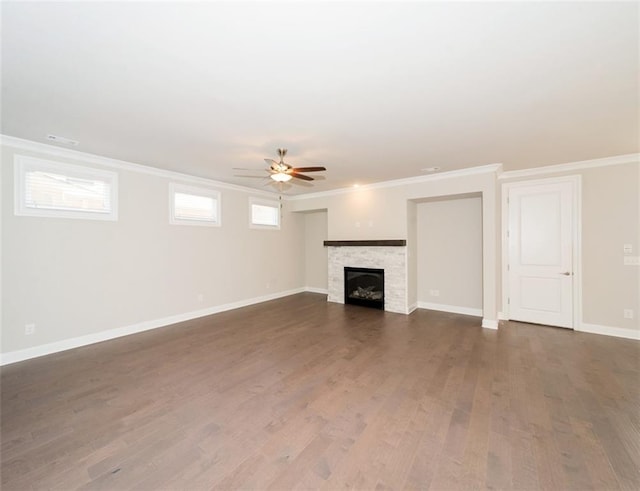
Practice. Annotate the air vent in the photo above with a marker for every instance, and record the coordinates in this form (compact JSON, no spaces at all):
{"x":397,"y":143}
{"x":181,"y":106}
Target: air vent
{"x":62,"y":140}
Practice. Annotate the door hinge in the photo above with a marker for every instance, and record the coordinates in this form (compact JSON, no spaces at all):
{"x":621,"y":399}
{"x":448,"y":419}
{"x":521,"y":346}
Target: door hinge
{"x":508,"y":301}
{"x":508,"y":267}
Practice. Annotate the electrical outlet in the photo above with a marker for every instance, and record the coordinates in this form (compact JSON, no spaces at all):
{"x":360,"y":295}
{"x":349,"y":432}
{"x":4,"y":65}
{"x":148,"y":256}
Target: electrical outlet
{"x":200,"y":297}
{"x":434,"y":293}
{"x":627,"y":248}
{"x":631,"y":260}
{"x":628,"y":313}
{"x":29,"y":329}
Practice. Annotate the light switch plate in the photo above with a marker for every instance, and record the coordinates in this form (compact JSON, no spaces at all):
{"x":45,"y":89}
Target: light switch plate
{"x":632,"y":260}
{"x":627,"y":248}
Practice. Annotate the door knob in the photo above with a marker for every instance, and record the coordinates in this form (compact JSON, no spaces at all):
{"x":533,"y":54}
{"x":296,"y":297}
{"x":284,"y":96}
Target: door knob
{"x":567,"y":273}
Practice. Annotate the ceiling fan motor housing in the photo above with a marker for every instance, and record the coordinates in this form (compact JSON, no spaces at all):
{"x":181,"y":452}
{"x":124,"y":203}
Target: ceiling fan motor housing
{"x":282,"y":172}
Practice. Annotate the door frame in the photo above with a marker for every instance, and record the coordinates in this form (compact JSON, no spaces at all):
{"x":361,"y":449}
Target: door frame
{"x":576,"y":236}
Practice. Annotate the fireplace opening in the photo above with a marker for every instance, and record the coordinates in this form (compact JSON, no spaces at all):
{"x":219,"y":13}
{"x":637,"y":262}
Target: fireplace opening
{"x":364,"y":286}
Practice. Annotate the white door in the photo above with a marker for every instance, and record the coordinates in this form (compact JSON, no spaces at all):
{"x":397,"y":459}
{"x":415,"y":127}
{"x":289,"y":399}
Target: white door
{"x":541,"y":274}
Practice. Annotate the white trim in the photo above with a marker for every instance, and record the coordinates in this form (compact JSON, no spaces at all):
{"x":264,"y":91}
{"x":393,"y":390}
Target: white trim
{"x":502,"y":316}
{"x":576,"y":180}
{"x":66,"y":344}
{"x":77,"y":155}
{"x":270,"y":203}
{"x":194,"y":191}
{"x":22,"y":164}
{"x":577,"y":252}
{"x":504,"y":248}
{"x":490,"y":323}
{"x":483,"y":169}
{"x":571,"y":166}
{"x":618,"y":332}
{"x":412,"y":307}
{"x":454,"y":309}
{"x":313,"y":289}
{"x":67,"y":153}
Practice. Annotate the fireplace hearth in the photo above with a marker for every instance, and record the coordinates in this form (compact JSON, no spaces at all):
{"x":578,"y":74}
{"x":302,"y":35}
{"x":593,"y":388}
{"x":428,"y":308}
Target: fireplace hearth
{"x":364,"y":287}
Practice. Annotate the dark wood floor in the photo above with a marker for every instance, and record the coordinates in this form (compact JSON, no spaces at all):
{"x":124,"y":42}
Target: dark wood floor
{"x":298,"y":393}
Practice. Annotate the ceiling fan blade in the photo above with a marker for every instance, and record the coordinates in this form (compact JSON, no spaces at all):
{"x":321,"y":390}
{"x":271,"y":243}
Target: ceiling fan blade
{"x":308,"y":169}
{"x":271,"y":163}
{"x":301,"y":176}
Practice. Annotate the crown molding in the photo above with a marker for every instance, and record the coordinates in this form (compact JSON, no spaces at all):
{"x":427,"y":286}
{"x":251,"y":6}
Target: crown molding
{"x":482,"y":169}
{"x":78,"y":156}
{"x":572,"y":166}
{"x":90,"y":158}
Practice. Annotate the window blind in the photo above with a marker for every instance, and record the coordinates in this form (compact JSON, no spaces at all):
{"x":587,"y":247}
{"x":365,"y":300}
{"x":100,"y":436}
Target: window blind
{"x":195,"y":207}
{"x":52,"y":191}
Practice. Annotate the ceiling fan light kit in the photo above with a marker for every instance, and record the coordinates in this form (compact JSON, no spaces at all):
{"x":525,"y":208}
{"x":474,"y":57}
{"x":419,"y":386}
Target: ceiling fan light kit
{"x":281,"y":177}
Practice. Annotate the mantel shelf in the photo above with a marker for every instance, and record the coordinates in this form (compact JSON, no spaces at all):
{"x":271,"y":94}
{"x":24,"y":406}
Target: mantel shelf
{"x":366,"y":243}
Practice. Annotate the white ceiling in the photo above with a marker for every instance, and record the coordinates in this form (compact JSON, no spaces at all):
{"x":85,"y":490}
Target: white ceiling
{"x":374,"y":91}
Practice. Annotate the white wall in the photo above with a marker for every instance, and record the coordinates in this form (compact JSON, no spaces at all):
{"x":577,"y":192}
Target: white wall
{"x":315,"y":233}
{"x":76,"y":278}
{"x":611,"y":219}
{"x":450,"y":254}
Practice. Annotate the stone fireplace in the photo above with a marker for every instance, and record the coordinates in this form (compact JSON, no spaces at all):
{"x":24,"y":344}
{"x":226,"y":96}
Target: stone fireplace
{"x":387,"y":255}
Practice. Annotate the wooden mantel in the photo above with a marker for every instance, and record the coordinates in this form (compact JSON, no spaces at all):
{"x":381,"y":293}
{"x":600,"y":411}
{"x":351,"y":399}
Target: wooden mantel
{"x":365,"y":243}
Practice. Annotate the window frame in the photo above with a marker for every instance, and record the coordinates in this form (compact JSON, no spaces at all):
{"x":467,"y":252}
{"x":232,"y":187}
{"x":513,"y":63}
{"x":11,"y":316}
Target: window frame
{"x":24,"y":164}
{"x":194,"y":191}
{"x":274,"y":203}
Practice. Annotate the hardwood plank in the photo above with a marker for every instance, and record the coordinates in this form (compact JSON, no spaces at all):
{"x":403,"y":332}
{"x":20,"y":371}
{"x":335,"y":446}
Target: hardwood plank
{"x":301,"y":393}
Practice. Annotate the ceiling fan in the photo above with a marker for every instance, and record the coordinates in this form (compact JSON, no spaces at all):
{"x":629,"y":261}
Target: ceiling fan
{"x":283,"y":172}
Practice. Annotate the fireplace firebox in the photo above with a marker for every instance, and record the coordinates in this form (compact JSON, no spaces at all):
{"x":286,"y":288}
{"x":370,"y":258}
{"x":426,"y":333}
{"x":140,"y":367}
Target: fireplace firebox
{"x":364,"y":286}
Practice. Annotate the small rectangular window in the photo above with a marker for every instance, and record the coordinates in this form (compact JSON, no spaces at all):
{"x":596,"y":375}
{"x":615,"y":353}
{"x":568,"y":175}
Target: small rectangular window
{"x":194,"y":206}
{"x":264,"y":213}
{"x":51,"y":189}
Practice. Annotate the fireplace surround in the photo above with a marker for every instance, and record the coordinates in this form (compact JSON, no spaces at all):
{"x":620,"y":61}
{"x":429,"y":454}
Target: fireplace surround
{"x":389,"y":255}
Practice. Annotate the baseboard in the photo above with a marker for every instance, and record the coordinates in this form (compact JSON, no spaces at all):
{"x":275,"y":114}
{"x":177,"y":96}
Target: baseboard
{"x":453,"y":309}
{"x":67,"y":344}
{"x":313,"y":289}
{"x":412,"y":307}
{"x":490,"y":323}
{"x":619,"y":332}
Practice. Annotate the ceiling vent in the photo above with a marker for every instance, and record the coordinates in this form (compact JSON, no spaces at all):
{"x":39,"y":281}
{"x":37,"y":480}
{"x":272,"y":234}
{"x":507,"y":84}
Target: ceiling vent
{"x":62,"y":140}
